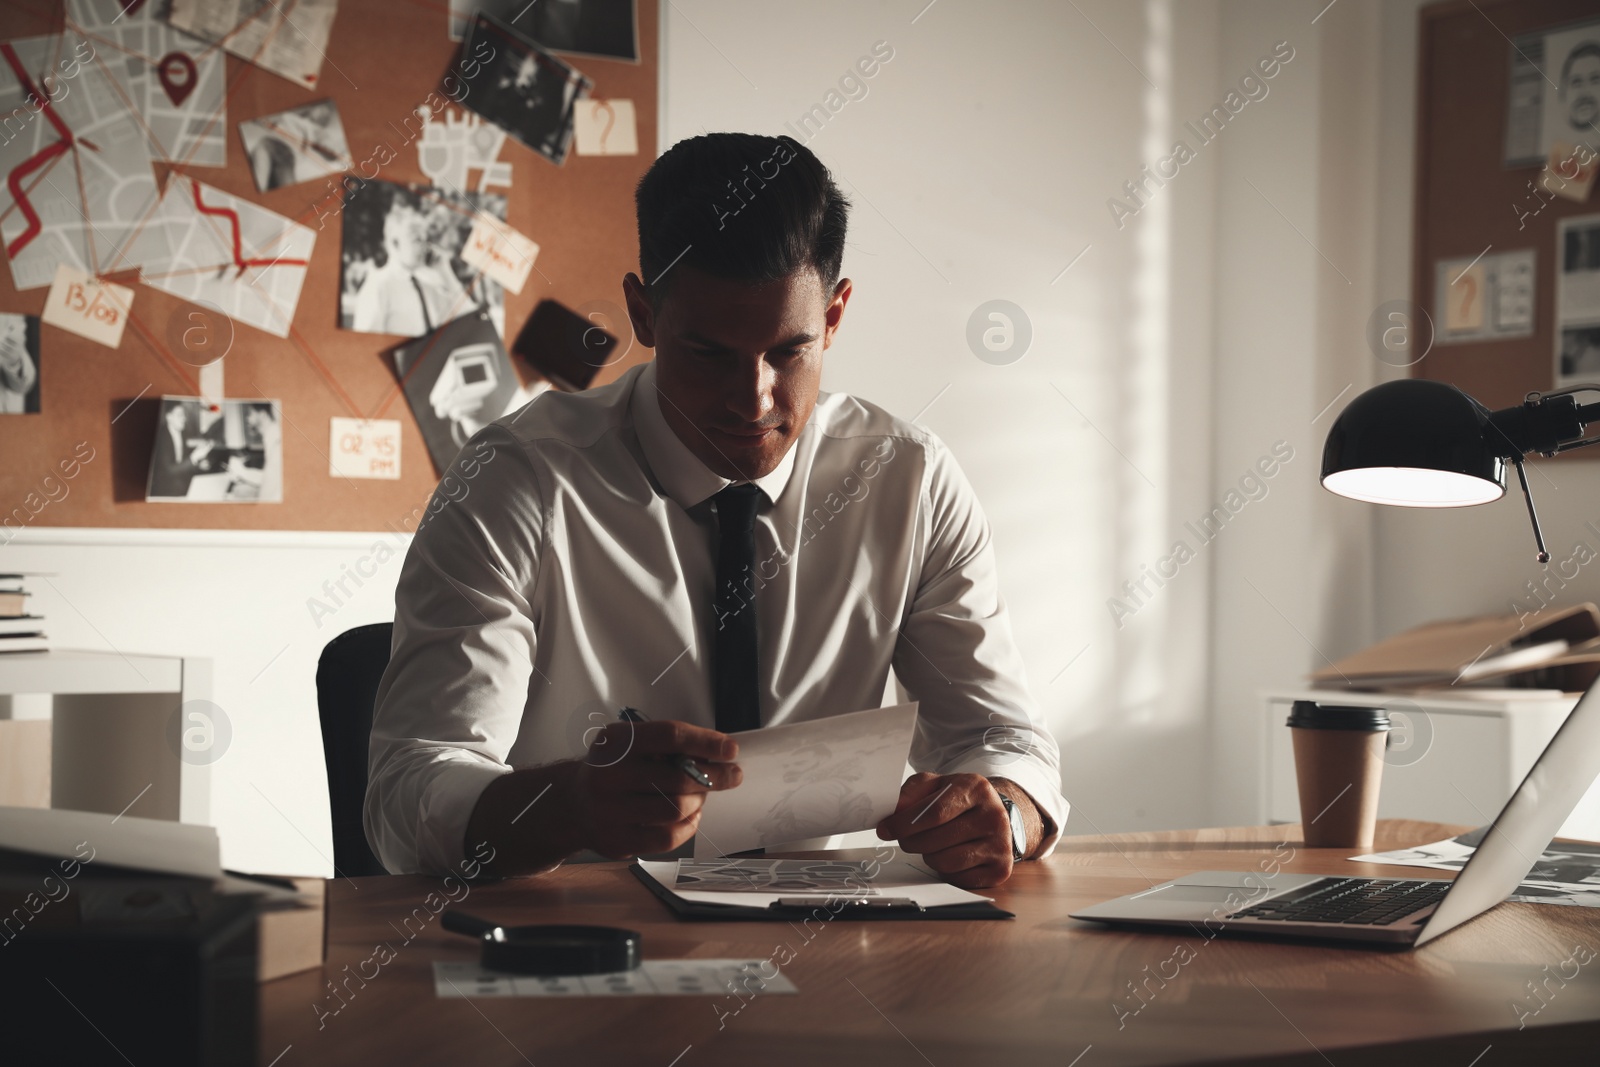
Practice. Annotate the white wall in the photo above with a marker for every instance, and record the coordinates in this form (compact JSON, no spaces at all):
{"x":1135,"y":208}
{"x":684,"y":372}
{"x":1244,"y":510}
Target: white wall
{"x":1164,"y":364}
{"x":241,"y":599}
{"x":1294,"y":272}
{"x":980,"y":164}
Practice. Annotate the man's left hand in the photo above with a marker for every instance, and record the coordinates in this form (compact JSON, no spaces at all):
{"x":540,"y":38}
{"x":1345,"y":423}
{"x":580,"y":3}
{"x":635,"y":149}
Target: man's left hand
{"x":957,"y":824}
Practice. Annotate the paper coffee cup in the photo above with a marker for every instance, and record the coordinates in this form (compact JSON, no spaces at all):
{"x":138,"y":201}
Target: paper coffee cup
{"x":1338,"y":767}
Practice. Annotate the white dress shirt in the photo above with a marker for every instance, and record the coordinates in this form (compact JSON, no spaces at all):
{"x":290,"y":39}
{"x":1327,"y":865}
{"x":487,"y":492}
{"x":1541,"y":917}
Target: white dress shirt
{"x":566,"y":569}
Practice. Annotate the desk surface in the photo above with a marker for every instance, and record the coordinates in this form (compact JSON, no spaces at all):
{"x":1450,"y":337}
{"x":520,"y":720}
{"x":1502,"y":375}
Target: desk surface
{"x":1041,"y":989}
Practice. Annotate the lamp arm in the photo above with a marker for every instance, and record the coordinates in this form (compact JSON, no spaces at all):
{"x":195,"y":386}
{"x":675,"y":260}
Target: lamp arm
{"x":1533,"y":516}
{"x":1542,"y":424}
{"x":1546,"y":424}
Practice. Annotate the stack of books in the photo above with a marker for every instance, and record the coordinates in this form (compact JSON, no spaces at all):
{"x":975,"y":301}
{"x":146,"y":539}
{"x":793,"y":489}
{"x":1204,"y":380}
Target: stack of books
{"x":19,"y":631}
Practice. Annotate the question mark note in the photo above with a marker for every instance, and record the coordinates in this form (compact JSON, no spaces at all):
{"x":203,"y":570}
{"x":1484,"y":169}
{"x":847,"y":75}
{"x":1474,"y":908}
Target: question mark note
{"x":1463,"y":310}
{"x":606,"y":128}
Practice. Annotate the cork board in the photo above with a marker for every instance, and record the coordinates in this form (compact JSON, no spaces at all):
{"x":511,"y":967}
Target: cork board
{"x":1468,"y":200}
{"x":383,"y":60}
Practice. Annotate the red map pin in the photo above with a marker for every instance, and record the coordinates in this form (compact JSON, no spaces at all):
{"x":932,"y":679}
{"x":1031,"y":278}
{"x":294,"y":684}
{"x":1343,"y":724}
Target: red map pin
{"x":177,"y":74}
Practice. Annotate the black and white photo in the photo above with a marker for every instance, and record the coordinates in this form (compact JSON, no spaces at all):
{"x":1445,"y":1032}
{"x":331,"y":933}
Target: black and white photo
{"x":401,"y":267}
{"x":19,"y":365}
{"x":524,"y":89}
{"x":457,"y":381}
{"x":299,"y":145}
{"x":608,"y":29}
{"x":1577,"y":356}
{"x":1572,"y":88}
{"x":227,"y":452}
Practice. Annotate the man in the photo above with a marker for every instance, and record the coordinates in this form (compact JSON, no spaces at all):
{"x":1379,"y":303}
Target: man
{"x":183,"y":449}
{"x":714,"y":541}
{"x":1580,"y":87}
{"x":407,"y":295}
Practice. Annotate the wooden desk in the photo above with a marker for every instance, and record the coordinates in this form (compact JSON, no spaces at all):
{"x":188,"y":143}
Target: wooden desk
{"x":1042,"y":989}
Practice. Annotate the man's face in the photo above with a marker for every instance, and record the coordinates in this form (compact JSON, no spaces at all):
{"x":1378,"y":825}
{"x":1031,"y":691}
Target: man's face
{"x":409,"y":244}
{"x":175,"y":418}
{"x":738,"y":365}
{"x":1582,"y":92}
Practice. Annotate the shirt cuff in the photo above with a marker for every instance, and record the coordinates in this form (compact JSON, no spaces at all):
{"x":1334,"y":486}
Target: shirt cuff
{"x":444,"y":811}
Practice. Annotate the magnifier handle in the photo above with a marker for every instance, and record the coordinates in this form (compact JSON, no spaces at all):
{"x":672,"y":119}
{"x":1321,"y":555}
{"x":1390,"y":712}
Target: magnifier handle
{"x":459,"y":922}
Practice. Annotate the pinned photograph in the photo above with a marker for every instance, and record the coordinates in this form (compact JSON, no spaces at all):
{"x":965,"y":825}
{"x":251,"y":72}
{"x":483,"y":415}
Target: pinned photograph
{"x":1572,"y":92}
{"x":524,"y":89}
{"x":230,"y":452}
{"x":607,"y":29}
{"x":401,"y":267}
{"x":457,"y":381}
{"x":1577,"y":357}
{"x":1580,"y":354}
{"x":19,"y":365}
{"x":298,"y":145}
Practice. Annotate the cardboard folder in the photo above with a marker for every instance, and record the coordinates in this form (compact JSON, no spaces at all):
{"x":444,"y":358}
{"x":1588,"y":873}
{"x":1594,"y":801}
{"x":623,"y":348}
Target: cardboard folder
{"x":1551,"y":649}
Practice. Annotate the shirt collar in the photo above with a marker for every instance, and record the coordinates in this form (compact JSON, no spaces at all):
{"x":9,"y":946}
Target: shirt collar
{"x":679,"y":471}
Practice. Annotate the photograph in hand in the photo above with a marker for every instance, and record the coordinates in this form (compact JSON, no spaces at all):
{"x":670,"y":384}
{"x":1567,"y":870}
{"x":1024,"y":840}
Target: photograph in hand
{"x":524,"y":89}
{"x":229,"y":452}
{"x":19,"y":365}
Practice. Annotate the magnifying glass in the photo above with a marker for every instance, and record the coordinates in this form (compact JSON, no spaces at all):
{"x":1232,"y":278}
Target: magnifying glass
{"x":556,"y":949}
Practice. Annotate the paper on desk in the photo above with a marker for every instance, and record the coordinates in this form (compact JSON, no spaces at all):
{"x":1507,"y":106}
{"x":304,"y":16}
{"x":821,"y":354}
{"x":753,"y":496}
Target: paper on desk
{"x":810,"y":779}
{"x":652,"y":978}
{"x":116,"y":841}
{"x":759,"y":882}
{"x":1568,"y":872}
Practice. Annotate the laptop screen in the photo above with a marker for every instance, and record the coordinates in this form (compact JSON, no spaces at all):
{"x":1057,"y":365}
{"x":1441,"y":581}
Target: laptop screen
{"x":1558,"y":779}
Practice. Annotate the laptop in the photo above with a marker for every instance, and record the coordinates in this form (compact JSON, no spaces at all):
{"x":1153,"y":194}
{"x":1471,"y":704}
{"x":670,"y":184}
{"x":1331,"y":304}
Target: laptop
{"x":1404,"y":912}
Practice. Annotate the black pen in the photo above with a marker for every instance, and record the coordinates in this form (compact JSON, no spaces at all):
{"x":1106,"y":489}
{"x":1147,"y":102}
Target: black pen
{"x":687,"y":765}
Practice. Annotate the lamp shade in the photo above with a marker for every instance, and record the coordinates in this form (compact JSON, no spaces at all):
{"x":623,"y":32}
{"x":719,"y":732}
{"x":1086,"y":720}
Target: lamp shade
{"x":1416,"y":443}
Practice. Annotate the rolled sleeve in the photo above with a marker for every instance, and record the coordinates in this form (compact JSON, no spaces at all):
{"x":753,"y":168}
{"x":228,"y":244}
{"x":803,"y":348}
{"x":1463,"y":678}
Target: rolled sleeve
{"x":451,"y":702}
{"x":957,"y":658}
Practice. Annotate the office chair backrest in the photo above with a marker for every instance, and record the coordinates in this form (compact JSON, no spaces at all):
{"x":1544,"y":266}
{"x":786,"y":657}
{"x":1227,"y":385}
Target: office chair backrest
{"x":348,"y":674}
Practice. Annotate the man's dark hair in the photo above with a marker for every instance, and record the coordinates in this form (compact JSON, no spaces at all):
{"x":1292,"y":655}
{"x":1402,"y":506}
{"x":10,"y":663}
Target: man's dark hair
{"x":739,"y":206}
{"x":1587,"y":48}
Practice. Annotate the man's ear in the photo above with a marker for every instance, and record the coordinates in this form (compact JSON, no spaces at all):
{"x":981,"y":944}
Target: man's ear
{"x":640,"y":310}
{"x":835,"y":312}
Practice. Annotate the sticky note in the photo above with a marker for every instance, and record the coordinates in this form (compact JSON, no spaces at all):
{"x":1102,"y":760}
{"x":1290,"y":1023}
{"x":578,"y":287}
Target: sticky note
{"x":88,"y":307}
{"x":364,"y":448}
{"x":1464,"y":300}
{"x":500,"y":252}
{"x":605,"y":128}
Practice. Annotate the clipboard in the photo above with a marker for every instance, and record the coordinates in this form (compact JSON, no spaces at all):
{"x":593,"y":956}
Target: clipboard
{"x":862,"y":909}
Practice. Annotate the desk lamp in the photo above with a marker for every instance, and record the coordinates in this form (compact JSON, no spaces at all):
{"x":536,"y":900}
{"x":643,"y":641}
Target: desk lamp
{"x":1427,"y":444}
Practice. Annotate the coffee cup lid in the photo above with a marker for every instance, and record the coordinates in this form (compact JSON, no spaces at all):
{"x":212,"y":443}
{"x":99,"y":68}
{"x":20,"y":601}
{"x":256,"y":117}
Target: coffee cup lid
{"x":1309,"y":715}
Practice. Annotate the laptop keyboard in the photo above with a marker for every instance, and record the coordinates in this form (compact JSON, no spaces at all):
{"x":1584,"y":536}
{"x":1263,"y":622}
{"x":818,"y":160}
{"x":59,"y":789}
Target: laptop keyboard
{"x":1354,"y":901}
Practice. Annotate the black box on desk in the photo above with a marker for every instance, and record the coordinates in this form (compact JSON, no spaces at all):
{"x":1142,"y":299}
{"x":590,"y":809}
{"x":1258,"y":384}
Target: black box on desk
{"x":108,"y":966}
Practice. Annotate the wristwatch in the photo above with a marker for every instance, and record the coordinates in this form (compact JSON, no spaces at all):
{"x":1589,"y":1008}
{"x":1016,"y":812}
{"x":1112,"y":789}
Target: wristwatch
{"x":1019,"y":830}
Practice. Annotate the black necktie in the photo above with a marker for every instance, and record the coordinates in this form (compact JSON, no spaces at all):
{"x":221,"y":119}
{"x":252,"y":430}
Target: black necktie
{"x":737,"y":691}
{"x":427,"y":319}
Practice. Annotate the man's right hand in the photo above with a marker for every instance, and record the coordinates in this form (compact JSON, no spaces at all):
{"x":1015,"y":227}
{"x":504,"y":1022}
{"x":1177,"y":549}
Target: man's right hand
{"x":629,"y":795}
